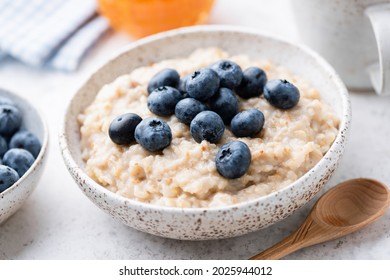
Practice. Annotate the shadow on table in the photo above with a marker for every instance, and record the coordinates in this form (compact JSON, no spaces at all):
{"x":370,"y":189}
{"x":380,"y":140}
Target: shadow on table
{"x":23,"y":233}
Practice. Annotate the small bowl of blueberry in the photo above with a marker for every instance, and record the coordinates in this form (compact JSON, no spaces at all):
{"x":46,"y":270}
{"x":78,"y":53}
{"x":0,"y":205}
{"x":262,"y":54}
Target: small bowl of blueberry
{"x":23,"y":142}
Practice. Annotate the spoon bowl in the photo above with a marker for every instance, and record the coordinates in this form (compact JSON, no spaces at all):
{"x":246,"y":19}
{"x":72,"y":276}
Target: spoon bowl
{"x":353,"y":202}
{"x":344,"y":209}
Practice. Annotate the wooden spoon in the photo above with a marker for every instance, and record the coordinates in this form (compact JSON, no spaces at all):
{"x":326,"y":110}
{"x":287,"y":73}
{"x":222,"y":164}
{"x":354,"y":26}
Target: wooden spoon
{"x":344,"y":209}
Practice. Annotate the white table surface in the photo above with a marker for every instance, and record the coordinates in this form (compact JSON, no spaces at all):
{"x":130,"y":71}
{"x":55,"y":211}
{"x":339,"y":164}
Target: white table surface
{"x":59,"y":222}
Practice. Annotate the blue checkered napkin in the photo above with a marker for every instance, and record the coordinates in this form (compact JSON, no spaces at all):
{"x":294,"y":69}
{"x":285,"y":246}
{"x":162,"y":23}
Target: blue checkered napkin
{"x":49,"y":32}
{"x":70,"y":54}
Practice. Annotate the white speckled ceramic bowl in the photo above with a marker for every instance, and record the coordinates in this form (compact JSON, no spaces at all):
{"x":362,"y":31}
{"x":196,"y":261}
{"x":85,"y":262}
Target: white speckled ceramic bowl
{"x":222,"y":222}
{"x":13,"y":198}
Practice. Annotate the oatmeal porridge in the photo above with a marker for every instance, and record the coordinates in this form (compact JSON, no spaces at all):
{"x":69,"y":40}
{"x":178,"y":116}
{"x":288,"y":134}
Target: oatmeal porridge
{"x":184,"y":174}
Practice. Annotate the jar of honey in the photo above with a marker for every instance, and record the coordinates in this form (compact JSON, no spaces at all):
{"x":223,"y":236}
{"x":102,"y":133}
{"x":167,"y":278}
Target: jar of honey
{"x":145,"y":17}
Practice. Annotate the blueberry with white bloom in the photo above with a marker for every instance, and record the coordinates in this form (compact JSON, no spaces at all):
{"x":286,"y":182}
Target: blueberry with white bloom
{"x":188,"y":108}
{"x":153,"y":134}
{"x":247,"y":123}
{"x":3,"y":146}
{"x":252,"y":83}
{"x":162,"y":101}
{"x":8,"y":177}
{"x":6,"y":101}
{"x":225,"y":104}
{"x":281,"y":94}
{"x":166,"y":77}
{"x":207,"y":125}
{"x":122,"y":128}
{"x":202,"y":84}
{"x":233,"y":159}
{"x":10,"y":120}
{"x":182,"y":85}
{"x":18,"y":159}
{"x":26,"y":140}
{"x":229,"y":72}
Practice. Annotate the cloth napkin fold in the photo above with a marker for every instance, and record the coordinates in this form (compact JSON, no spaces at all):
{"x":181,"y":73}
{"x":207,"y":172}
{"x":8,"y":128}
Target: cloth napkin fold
{"x":49,"y":33}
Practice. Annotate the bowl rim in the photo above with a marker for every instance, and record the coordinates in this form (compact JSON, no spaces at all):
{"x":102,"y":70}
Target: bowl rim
{"x":343,"y":129}
{"x":44,"y":142}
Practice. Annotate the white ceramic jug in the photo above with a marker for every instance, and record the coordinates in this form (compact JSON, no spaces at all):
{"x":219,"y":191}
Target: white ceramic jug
{"x":353,"y":35}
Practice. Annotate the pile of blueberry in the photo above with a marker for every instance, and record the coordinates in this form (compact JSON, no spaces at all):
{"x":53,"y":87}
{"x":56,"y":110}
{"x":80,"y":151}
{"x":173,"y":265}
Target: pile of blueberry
{"x":18,"y":147}
{"x":206,"y":101}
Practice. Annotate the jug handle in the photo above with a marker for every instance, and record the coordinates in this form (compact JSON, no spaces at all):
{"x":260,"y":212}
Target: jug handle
{"x":379,"y":16}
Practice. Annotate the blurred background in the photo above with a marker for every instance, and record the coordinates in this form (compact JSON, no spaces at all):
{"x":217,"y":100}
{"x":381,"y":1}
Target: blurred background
{"x":58,"y":35}
{"x":49,"y":47}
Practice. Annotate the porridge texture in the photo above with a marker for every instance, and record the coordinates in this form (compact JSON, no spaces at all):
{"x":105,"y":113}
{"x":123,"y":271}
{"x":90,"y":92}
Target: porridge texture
{"x":184,"y":174}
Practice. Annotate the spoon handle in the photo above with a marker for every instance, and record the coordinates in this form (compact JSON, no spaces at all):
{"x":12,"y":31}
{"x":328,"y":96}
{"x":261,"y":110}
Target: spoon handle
{"x":344,"y":209}
{"x":297,"y":240}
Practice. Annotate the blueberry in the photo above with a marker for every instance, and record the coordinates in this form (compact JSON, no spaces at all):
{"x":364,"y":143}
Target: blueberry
{"x":3,"y":146}
{"x":8,"y":177}
{"x":26,"y":140}
{"x":188,"y":108}
{"x":281,"y":94}
{"x":121,"y":130}
{"x":207,"y":125}
{"x":247,"y":123}
{"x":252,"y":83}
{"x":166,"y":77}
{"x":229,"y":72}
{"x":202,"y":84}
{"x":233,"y":159}
{"x":225,"y":104}
{"x":153,"y":134}
{"x":10,"y":120}
{"x":162,"y":101}
{"x":18,"y":159}
{"x":182,"y":85}
{"x":6,"y":101}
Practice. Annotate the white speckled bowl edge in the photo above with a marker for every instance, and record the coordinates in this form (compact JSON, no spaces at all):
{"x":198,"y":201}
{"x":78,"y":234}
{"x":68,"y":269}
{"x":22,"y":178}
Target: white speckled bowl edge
{"x":14,"y":197}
